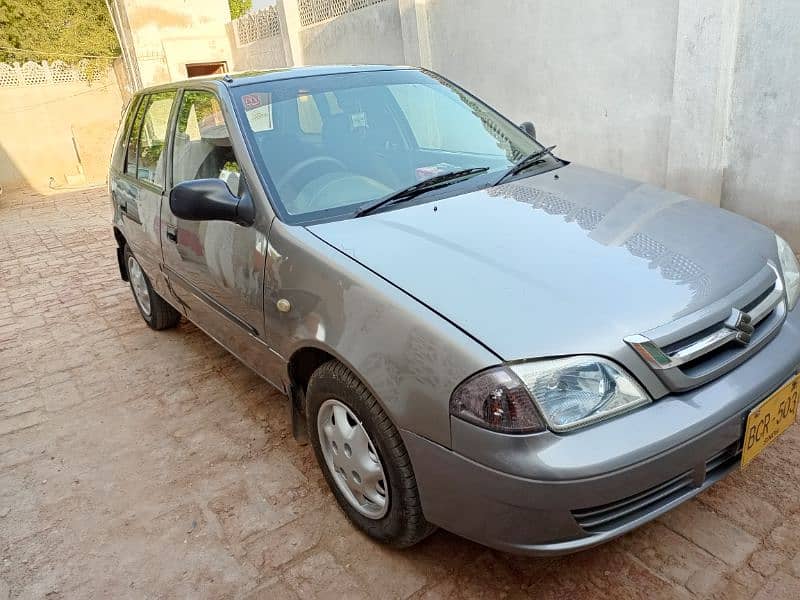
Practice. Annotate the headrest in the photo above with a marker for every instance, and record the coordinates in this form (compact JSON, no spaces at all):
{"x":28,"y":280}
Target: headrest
{"x":216,"y":135}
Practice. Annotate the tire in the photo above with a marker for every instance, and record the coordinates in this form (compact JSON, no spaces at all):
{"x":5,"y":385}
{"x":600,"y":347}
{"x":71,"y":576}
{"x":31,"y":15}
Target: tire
{"x":159,"y":314}
{"x":400,"y":522}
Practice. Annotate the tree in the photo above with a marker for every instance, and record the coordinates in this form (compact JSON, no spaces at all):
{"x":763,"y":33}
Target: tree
{"x":55,"y":29}
{"x":239,"y":7}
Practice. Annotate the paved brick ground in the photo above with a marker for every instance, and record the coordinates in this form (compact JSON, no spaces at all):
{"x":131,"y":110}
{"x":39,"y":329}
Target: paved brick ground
{"x":143,"y":464}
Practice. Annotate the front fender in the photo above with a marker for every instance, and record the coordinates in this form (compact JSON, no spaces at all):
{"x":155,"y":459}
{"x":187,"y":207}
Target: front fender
{"x":410,"y":357}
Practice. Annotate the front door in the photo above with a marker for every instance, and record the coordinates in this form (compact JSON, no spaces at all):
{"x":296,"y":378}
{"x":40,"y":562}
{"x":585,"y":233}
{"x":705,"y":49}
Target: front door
{"x":216,"y":268}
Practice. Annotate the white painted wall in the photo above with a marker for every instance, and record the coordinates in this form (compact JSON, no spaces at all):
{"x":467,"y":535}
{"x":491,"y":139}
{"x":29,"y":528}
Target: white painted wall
{"x":604,"y":98}
{"x":369,"y":35}
{"x":258,"y":54}
{"x":762,"y":168}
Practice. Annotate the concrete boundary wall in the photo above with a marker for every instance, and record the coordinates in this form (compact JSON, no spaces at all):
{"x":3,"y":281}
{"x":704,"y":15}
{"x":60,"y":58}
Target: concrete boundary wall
{"x":303,"y":32}
{"x":699,"y":97}
{"x":57,"y":135}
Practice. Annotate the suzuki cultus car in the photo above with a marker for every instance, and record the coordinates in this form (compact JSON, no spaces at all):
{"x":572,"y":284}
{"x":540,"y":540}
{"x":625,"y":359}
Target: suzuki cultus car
{"x":475,"y":333}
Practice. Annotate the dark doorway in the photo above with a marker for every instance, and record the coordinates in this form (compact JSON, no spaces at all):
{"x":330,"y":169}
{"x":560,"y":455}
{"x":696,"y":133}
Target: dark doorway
{"x":203,"y":69}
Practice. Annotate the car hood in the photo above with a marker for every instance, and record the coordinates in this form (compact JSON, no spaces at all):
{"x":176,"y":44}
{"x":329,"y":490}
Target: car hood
{"x":568,"y":261}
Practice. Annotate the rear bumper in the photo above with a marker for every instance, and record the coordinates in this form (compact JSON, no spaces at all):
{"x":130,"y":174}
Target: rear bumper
{"x":548,"y":494}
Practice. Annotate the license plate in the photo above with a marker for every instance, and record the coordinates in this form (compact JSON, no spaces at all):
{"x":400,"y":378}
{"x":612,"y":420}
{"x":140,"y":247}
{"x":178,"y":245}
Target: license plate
{"x":770,"y":419}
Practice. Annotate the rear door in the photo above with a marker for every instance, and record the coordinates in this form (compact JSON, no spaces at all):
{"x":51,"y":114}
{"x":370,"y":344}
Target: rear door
{"x":141,"y":187}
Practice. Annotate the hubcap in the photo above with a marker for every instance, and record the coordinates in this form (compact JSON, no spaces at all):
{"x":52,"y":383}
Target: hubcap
{"x":352,"y":459}
{"x":139,"y":285}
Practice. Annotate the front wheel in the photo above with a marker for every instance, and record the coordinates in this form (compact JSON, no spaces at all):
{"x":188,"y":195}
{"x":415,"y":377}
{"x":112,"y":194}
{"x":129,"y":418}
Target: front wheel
{"x":363,"y":458}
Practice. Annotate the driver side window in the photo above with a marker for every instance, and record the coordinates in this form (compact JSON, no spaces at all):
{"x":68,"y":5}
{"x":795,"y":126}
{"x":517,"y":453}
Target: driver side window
{"x":202,"y":148}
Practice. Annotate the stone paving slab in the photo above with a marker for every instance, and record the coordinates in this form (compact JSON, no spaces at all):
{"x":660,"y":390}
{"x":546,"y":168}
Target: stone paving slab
{"x":140,"y":464}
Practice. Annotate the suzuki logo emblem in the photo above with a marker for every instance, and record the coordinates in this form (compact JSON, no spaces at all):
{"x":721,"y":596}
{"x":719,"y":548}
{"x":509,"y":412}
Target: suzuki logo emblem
{"x":740,"y":322}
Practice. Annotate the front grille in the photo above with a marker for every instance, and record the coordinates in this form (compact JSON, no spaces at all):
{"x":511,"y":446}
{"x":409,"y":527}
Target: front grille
{"x":615,"y":514}
{"x":699,"y":356}
{"x":676,"y":347}
{"x":722,"y":462}
{"x":610,"y":516}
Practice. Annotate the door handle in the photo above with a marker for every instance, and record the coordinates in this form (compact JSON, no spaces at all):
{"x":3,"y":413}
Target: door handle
{"x":172,"y":233}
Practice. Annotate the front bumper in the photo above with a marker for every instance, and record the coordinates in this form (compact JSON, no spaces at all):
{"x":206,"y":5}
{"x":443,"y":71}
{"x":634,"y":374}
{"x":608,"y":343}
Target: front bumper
{"x":547,"y":494}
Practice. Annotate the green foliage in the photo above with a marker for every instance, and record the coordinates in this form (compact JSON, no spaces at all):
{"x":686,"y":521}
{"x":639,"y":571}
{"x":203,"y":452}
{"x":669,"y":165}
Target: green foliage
{"x":239,"y":7}
{"x":53,"y":29}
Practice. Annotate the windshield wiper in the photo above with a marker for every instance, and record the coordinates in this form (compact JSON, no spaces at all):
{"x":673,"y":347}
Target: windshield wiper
{"x":435,"y":182}
{"x":526,"y":162}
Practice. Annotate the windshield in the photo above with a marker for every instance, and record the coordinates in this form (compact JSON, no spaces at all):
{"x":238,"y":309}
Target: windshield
{"x":328,"y":144}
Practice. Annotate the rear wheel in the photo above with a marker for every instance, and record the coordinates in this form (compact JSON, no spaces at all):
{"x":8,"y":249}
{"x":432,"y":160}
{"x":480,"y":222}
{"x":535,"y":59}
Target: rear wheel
{"x":363,"y":458}
{"x":156,"y":312}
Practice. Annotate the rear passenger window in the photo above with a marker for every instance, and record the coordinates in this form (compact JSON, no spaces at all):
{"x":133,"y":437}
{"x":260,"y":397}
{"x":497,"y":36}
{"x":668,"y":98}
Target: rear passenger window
{"x":152,"y":136}
{"x":133,"y":141}
{"x":202,"y":146}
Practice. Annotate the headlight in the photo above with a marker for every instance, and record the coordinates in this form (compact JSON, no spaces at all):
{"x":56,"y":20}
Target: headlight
{"x":578,"y":390}
{"x":569,"y":393}
{"x":790,"y":270}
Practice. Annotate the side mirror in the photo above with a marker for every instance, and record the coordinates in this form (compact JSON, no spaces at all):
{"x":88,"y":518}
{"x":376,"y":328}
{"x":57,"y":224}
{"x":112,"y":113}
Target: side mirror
{"x":528,"y":128}
{"x":210,"y":200}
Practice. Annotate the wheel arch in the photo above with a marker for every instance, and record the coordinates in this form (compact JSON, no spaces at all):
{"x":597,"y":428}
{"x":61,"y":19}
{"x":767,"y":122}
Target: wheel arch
{"x":303,"y":362}
{"x":307,"y":358}
{"x":121,"y":243}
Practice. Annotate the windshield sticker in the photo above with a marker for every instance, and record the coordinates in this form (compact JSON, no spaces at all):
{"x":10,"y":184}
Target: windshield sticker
{"x":359,"y":120}
{"x":258,"y":108}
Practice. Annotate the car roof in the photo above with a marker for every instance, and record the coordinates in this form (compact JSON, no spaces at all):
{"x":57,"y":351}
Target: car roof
{"x":266,"y":75}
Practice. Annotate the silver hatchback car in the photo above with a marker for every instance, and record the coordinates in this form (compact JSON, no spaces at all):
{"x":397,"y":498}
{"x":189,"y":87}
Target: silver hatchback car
{"x":474,"y":333}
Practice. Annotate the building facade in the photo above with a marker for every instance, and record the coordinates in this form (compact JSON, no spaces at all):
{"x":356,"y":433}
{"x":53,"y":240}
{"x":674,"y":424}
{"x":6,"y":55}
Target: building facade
{"x":168,"y":40}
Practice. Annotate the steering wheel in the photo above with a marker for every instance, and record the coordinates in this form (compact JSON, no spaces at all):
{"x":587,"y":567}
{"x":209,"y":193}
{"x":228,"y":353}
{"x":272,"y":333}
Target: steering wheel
{"x":305,"y":164}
